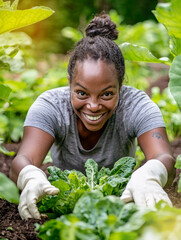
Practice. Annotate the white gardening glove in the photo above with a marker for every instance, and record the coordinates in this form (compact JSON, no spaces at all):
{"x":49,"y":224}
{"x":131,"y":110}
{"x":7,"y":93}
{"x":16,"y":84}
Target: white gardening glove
{"x":34,"y":185}
{"x":145,"y":185}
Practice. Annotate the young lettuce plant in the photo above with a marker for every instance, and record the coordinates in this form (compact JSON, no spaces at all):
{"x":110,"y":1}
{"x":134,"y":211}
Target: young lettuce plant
{"x":73,"y":184}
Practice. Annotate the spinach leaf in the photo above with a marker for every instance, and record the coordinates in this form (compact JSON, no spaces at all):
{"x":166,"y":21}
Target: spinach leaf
{"x":123,"y":167}
{"x":91,"y":171}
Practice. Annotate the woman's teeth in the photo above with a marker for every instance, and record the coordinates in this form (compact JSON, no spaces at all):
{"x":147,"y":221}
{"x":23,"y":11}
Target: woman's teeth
{"x":93,"y":118}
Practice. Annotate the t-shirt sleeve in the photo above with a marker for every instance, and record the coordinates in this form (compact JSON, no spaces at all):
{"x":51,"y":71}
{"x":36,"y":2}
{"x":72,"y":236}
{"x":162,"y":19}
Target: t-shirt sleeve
{"x":45,"y":114}
{"x":142,"y":114}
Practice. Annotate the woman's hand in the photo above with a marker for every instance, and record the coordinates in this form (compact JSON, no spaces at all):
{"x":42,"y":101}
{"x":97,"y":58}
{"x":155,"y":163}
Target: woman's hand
{"x":145,"y":185}
{"x":34,"y":185}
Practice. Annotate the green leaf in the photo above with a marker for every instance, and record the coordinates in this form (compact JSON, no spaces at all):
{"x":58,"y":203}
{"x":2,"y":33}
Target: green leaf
{"x":15,"y":39}
{"x":178,"y":162}
{"x":56,"y":174}
{"x":85,"y":206}
{"x":11,"y":20}
{"x":6,"y":152}
{"x":71,"y":33}
{"x":124,"y":167}
{"x":5,"y":91}
{"x":175,"y":80}
{"x":14,"y":64}
{"x":91,"y":171}
{"x":169,"y":15}
{"x":14,"y":5}
{"x":137,"y":53}
{"x":8,"y":189}
{"x":175,"y":46}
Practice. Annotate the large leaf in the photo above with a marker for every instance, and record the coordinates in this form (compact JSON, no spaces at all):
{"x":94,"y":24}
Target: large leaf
{"x":175,"y":79}
{"x":13,"y":61}
{"x":14,"y":19}
{"x":5,"y":91}
{"x":15,"y":39}
{"x":175,"y":46}
{"x":8,"y":189}
{"x":169,"y":15}
{"x":140,"y":54}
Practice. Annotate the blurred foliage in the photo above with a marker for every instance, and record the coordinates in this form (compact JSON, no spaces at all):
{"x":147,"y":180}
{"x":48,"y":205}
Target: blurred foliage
{"x":11,"y":60}
{"x":26,"y":87}
{"x":170,"y":111}
{"x":76,"y":14}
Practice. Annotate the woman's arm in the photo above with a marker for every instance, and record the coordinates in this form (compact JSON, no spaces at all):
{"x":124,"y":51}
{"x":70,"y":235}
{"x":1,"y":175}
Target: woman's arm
{"x":155,"y":145}
{"x":34,"y":147}
{"x":145,"y":186}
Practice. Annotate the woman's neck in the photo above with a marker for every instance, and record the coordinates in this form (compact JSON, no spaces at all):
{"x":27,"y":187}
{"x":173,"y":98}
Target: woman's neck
{"x":88,"y":138}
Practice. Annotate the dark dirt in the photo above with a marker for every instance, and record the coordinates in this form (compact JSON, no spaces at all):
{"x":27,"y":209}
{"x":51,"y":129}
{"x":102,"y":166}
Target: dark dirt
{"x":12,"y":227}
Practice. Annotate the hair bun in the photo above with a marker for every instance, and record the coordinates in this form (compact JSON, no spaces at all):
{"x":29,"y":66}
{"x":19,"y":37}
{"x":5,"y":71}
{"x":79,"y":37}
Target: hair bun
{"x":102,"y":26}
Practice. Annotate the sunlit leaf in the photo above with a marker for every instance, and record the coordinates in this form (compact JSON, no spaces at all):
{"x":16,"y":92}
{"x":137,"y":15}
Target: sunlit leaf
{"x":8,"y":189}
{"x":175,"y":46}
{"x":178,"y":162}
{"x":5,"y":151}
{"x":140,"y":54}
{"x":15,"y":39}
{"x":169,"y":15}
{"x":11,"y":20}
{"x":175,"y":79}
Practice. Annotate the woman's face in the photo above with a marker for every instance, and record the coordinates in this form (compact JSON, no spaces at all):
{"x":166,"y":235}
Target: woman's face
{"x":94,"y":93}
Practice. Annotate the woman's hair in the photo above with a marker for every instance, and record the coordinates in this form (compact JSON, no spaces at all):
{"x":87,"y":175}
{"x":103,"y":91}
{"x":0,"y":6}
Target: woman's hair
{"x":99,"y":44}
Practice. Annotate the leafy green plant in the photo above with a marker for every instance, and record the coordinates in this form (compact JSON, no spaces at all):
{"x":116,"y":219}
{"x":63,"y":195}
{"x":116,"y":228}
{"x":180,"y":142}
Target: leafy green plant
{"x":178,"y":166}
{"x":106,"y":217}
{"x":73,"y":184}
{"x":8,"y":189}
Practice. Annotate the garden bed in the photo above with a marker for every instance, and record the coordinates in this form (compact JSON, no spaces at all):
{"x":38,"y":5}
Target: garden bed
{"x":14,"y":228}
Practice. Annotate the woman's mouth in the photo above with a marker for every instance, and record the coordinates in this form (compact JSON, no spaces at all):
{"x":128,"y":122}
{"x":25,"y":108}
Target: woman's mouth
{"x":93,"y":118}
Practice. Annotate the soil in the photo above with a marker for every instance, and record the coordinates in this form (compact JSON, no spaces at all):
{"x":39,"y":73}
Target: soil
{"x":12,"y":227}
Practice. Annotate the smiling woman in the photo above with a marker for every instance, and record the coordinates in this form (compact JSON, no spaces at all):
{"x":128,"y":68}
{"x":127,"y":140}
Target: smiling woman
{"x":96,"y":117}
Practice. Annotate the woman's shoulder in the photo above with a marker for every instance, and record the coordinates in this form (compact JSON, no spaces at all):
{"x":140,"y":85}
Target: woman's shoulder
{"x":60,"y":92}
{"x":131,"y":95}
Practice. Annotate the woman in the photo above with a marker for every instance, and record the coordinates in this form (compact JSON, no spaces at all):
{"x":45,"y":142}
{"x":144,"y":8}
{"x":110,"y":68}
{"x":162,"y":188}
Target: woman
{"x":95,"y":117}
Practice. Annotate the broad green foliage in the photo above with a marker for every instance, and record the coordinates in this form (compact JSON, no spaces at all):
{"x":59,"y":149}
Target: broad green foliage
{"x":169,"y":15}
{"x":170,"y":111}
{"x":140,"y":54}
{"x":24,"y":91}
{"x":175,"y":79}
{"x":8,"y":189}
{"x":107,"y":218}
{"x":11,"y":59}
{"x":12,"y":19}
{"x":73,"y":184}
{"x":178,"y":166}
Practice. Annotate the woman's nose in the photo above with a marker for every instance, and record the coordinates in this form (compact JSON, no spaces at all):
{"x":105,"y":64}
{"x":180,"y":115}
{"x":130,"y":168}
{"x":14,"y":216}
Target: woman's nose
{"x":93,"y":105}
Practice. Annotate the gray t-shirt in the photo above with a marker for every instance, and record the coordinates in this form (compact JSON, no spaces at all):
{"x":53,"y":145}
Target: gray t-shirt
{"x":52,"y":112}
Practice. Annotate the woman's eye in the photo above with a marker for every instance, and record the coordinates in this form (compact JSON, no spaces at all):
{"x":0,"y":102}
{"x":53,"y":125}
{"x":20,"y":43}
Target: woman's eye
{"x":108,"y":94}
{"x":81,"y":93}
